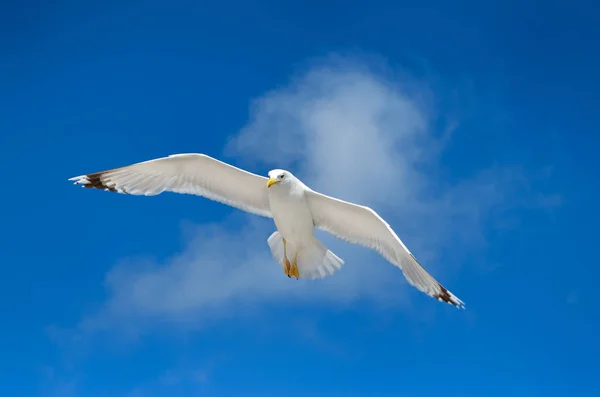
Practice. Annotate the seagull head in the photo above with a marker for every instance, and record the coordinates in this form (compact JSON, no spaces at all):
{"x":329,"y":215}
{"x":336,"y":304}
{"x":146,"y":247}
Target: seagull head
{"x":279,"y":177}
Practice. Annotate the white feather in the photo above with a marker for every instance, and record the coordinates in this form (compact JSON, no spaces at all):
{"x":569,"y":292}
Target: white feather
{"x":361,"y":225}
{"x":314,"y":259}
{"x":196,"y":174}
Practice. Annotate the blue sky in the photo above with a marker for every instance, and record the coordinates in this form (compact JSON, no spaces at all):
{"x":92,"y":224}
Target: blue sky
{"x":472,"y":128}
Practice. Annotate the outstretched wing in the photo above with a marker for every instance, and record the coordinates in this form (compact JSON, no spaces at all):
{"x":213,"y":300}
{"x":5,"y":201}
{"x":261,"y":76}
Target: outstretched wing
{"x":196,"y":174}
{"x":361,"y":225}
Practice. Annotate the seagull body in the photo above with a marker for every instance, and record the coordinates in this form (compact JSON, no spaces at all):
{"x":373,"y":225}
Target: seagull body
{"x":295,"y":209}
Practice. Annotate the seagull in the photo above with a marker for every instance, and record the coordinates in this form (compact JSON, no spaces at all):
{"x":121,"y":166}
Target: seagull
{"x":295,"y":209}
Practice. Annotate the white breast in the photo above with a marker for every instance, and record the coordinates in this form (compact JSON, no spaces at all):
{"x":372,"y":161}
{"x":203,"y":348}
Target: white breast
{"x":291,"y":214}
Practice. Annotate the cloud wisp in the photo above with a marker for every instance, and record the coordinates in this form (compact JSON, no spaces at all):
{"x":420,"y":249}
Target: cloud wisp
{"x":348,"y":132}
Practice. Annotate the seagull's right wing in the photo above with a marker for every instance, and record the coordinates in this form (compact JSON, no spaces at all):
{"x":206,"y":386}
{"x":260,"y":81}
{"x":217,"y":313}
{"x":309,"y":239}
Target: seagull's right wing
{"x":186,"y":173}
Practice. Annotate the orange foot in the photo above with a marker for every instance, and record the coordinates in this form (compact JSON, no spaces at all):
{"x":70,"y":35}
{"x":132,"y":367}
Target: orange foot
{"x":294,"y":271}
{"x":287,"y":268}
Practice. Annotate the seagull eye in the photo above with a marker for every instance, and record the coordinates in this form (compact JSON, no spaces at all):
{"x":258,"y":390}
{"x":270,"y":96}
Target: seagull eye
{"x":281,"y":176}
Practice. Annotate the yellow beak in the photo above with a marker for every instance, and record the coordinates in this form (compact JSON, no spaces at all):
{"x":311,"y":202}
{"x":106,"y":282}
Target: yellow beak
{"x":272,"y":181}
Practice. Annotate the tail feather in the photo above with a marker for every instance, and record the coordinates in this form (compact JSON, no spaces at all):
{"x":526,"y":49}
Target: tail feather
{"x":314,"y":259}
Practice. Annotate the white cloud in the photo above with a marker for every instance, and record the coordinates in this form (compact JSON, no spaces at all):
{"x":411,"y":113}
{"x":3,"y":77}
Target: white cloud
{"x":345,"y":131}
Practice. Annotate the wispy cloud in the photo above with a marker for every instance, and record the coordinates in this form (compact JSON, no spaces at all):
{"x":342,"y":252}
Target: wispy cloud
{"x":349,"y":132}
{"x":178,"y":380}
{"x":56,"y":383}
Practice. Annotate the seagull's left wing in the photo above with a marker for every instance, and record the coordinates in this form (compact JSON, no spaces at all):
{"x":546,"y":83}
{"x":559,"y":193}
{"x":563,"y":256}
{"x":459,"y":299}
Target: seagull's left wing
{"x":361,"y":225}
{"x":193,"y":173}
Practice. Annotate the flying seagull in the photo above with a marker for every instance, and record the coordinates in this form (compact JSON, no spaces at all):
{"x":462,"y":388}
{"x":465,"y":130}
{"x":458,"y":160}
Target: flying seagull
{"x":295,"y":208}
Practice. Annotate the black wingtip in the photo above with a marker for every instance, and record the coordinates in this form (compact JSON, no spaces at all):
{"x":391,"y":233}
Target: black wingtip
{"x":448,"y":297}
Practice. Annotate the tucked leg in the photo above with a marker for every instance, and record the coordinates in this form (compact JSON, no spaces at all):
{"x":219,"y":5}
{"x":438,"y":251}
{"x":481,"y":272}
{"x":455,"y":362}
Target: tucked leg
{"x":294,"y":268}
{"x":286,"y":262}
